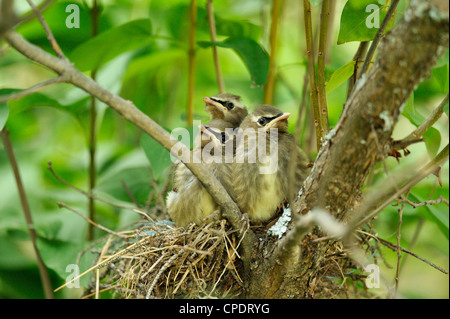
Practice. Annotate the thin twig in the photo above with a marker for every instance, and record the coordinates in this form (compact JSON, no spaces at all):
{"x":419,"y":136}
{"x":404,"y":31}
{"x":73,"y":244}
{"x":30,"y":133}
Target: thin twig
{"x":382,"y":199}
{"x":431,"y":119}
{"x":30,"y":15}
{"x":439,"y":200}
{"x":321,"y":65}
{"x":394,"y":247}
{"x":129,"y":193}
{"x":270,"y":82}
{"x":47,"y":30}
{"x":312,"y":73}
{"x":90,"y":221}
{"x":399,"y":254}
{"x":378,"y":36}
{"x":92,"y":128}
{"x":160,"y":272}
{"x":50,"y":168}
{"x":43,"y":272}
{"x":31,"y":90}
{"x":191,"y":62}
{"x":212,"y":32}
{"x":358,"y":58}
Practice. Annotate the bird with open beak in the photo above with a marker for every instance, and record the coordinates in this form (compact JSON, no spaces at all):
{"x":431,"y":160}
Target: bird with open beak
{"x":189,"y":201}
{"x":227,"y":107}
{"x":258,"y":191}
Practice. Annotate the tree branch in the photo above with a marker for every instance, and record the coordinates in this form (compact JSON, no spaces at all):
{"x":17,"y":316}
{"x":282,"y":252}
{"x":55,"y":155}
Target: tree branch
{"x":321,"y":65}
{"x":431,"y":119}
{"x":312,"y":73}
{"x":350,"y":150}
{"x":131,"y":113}
{"x":212,"y":32}
{"x":191,"y":62}
{"x":270,"y":82}
{"x":43,"y":272}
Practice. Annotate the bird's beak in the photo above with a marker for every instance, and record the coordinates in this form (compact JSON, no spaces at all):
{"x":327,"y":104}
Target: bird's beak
{"x":272,"y":123}
{"x":209,"y":101}
{"x":210,"y":134}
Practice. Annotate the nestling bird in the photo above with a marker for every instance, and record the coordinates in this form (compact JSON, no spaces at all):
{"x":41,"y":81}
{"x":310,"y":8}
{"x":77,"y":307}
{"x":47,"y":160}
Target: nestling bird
{"x":189,"y":201}
{"x":259,"y":187}
{"x":226,"y":106}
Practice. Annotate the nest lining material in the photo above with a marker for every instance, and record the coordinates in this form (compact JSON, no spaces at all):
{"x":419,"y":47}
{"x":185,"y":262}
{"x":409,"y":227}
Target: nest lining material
{"x":158,"y":260}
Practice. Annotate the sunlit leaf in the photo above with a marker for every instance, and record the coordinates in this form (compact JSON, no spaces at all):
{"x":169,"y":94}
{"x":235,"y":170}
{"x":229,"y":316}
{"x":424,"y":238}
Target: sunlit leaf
{"x":95,"y":52}
{"x":441,"y":75}
{"x":254,"y":56}
{"x":432,"y":136}
{"x":157,"y":155}
{"x":134,"y":180}
{"x":438,"y":216}
{"x":340,"y":76}
{"x":360,"y":20}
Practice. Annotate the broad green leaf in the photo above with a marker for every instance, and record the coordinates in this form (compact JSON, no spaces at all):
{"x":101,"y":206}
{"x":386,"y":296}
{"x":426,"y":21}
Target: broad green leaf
{"x":360,"y":20}
{"x":136,"y":180}
{"x":432,"y":136}
{"x":78,"y":109}
{"x":441,"y":75}
{"x":238,"y":28}
{"x":177,"y":18}
{"x":253,"y":55}
{"x":58,"y":255}
{"x":95,"y":52}
{"x":157,"y":155}
{"x":340,"y":76}
{"x":436,"y":213}
{"x":432,"y":141}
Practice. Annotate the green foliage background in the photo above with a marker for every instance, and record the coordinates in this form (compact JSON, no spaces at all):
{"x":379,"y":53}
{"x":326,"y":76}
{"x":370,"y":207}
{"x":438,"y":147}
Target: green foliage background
{"x":141,"y":54}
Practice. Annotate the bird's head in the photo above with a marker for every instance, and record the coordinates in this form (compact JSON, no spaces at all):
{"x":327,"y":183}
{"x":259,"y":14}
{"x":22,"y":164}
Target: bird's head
{"x":267,"y":117}
{"x":226,"y":106}
{"x":216,"y":131}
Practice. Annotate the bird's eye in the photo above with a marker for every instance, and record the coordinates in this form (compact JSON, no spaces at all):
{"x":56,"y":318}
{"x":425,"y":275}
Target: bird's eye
{"x":262,"y":121}
{"x":229,"y":105}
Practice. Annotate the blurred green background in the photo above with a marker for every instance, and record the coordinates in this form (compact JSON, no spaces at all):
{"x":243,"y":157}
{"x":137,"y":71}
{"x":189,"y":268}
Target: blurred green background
{"x":143,"y":58}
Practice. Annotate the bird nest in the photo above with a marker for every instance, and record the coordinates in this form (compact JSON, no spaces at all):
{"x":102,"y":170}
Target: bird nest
{"x":159,"y":260}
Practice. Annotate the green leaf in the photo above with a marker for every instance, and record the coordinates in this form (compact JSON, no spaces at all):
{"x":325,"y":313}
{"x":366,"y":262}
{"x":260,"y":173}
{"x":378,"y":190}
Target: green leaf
{"x":136,"y":179}
{"x":78,"y":109}
{"x":157,"y":155}
{"x":441,"y":75}
{"x":254,"y":56}
{"x":432,"y":136}
{"x":4,"y":112}
{"x":340,"y":76}
{"x":438,"y":216}
{"x":432,"y":141}
{"x":95,"y":52}
{"x":359,"y":20}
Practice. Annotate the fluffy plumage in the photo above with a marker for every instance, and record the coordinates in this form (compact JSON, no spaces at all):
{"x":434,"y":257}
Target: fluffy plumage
{"x":260,"y":187}
{"x":189,"y":201}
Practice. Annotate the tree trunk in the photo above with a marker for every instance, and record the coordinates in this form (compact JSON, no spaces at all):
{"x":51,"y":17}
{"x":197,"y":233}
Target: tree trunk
{"x":360,"y":140}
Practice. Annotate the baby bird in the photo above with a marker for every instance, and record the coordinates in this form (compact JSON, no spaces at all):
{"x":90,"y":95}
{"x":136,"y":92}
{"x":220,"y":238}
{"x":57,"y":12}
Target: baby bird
{"x":260,"y":185}
{"x":189,"y":201}
{"x":226,"y":106}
